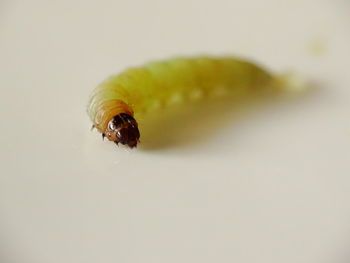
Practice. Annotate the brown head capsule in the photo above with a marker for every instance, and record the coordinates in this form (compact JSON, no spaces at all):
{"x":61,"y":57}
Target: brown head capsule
{"x":123,"y":129}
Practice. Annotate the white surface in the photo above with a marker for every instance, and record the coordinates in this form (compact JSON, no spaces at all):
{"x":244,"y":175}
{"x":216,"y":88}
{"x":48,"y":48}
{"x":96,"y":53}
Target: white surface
{"x":270,"y":186}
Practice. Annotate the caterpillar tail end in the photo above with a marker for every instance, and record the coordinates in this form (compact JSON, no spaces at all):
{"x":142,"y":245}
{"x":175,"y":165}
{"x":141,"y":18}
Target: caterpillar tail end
{"x":291,"y":82}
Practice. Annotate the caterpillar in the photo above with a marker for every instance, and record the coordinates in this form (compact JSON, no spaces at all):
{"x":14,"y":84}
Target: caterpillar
{"x":115,"y":104}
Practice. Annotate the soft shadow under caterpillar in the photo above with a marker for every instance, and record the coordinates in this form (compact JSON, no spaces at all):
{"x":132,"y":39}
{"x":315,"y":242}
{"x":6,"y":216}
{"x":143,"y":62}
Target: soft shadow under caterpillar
{"x":118,"y":101}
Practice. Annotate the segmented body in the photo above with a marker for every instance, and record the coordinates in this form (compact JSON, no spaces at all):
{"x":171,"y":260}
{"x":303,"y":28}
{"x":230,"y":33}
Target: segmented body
{"x":137,"y":90}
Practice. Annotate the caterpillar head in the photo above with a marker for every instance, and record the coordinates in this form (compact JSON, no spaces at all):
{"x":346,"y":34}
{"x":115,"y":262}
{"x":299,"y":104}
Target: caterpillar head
{"x":123,"y":129}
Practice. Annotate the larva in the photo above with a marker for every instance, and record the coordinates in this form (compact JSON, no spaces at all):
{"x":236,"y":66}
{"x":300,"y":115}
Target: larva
{"x":118,"y":101}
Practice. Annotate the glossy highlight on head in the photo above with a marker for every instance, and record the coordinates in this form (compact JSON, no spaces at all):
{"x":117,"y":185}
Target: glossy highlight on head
{"x":123,"y":129}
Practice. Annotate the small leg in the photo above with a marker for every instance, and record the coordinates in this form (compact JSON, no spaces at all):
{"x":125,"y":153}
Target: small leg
{"x":103,"y":136}
{"x":92,"y":127}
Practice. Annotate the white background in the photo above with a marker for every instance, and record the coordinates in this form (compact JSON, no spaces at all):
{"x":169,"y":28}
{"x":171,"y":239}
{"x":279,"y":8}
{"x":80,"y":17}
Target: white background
{"x":268,"y":185}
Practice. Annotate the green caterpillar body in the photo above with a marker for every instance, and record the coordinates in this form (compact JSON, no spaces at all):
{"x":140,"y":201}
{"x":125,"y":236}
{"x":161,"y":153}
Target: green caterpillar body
{"x":137,"y":90}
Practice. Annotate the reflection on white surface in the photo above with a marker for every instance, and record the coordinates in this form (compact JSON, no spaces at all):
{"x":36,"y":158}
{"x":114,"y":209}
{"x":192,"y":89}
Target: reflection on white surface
{"x":270,"y":185}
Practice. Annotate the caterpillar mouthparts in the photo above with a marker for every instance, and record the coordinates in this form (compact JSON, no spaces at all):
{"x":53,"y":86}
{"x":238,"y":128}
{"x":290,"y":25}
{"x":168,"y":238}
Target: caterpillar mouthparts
{"x":123,"y":129}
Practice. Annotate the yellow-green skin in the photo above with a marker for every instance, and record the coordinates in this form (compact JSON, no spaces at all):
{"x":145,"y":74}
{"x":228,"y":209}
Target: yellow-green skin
{"x":158,"y":83}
